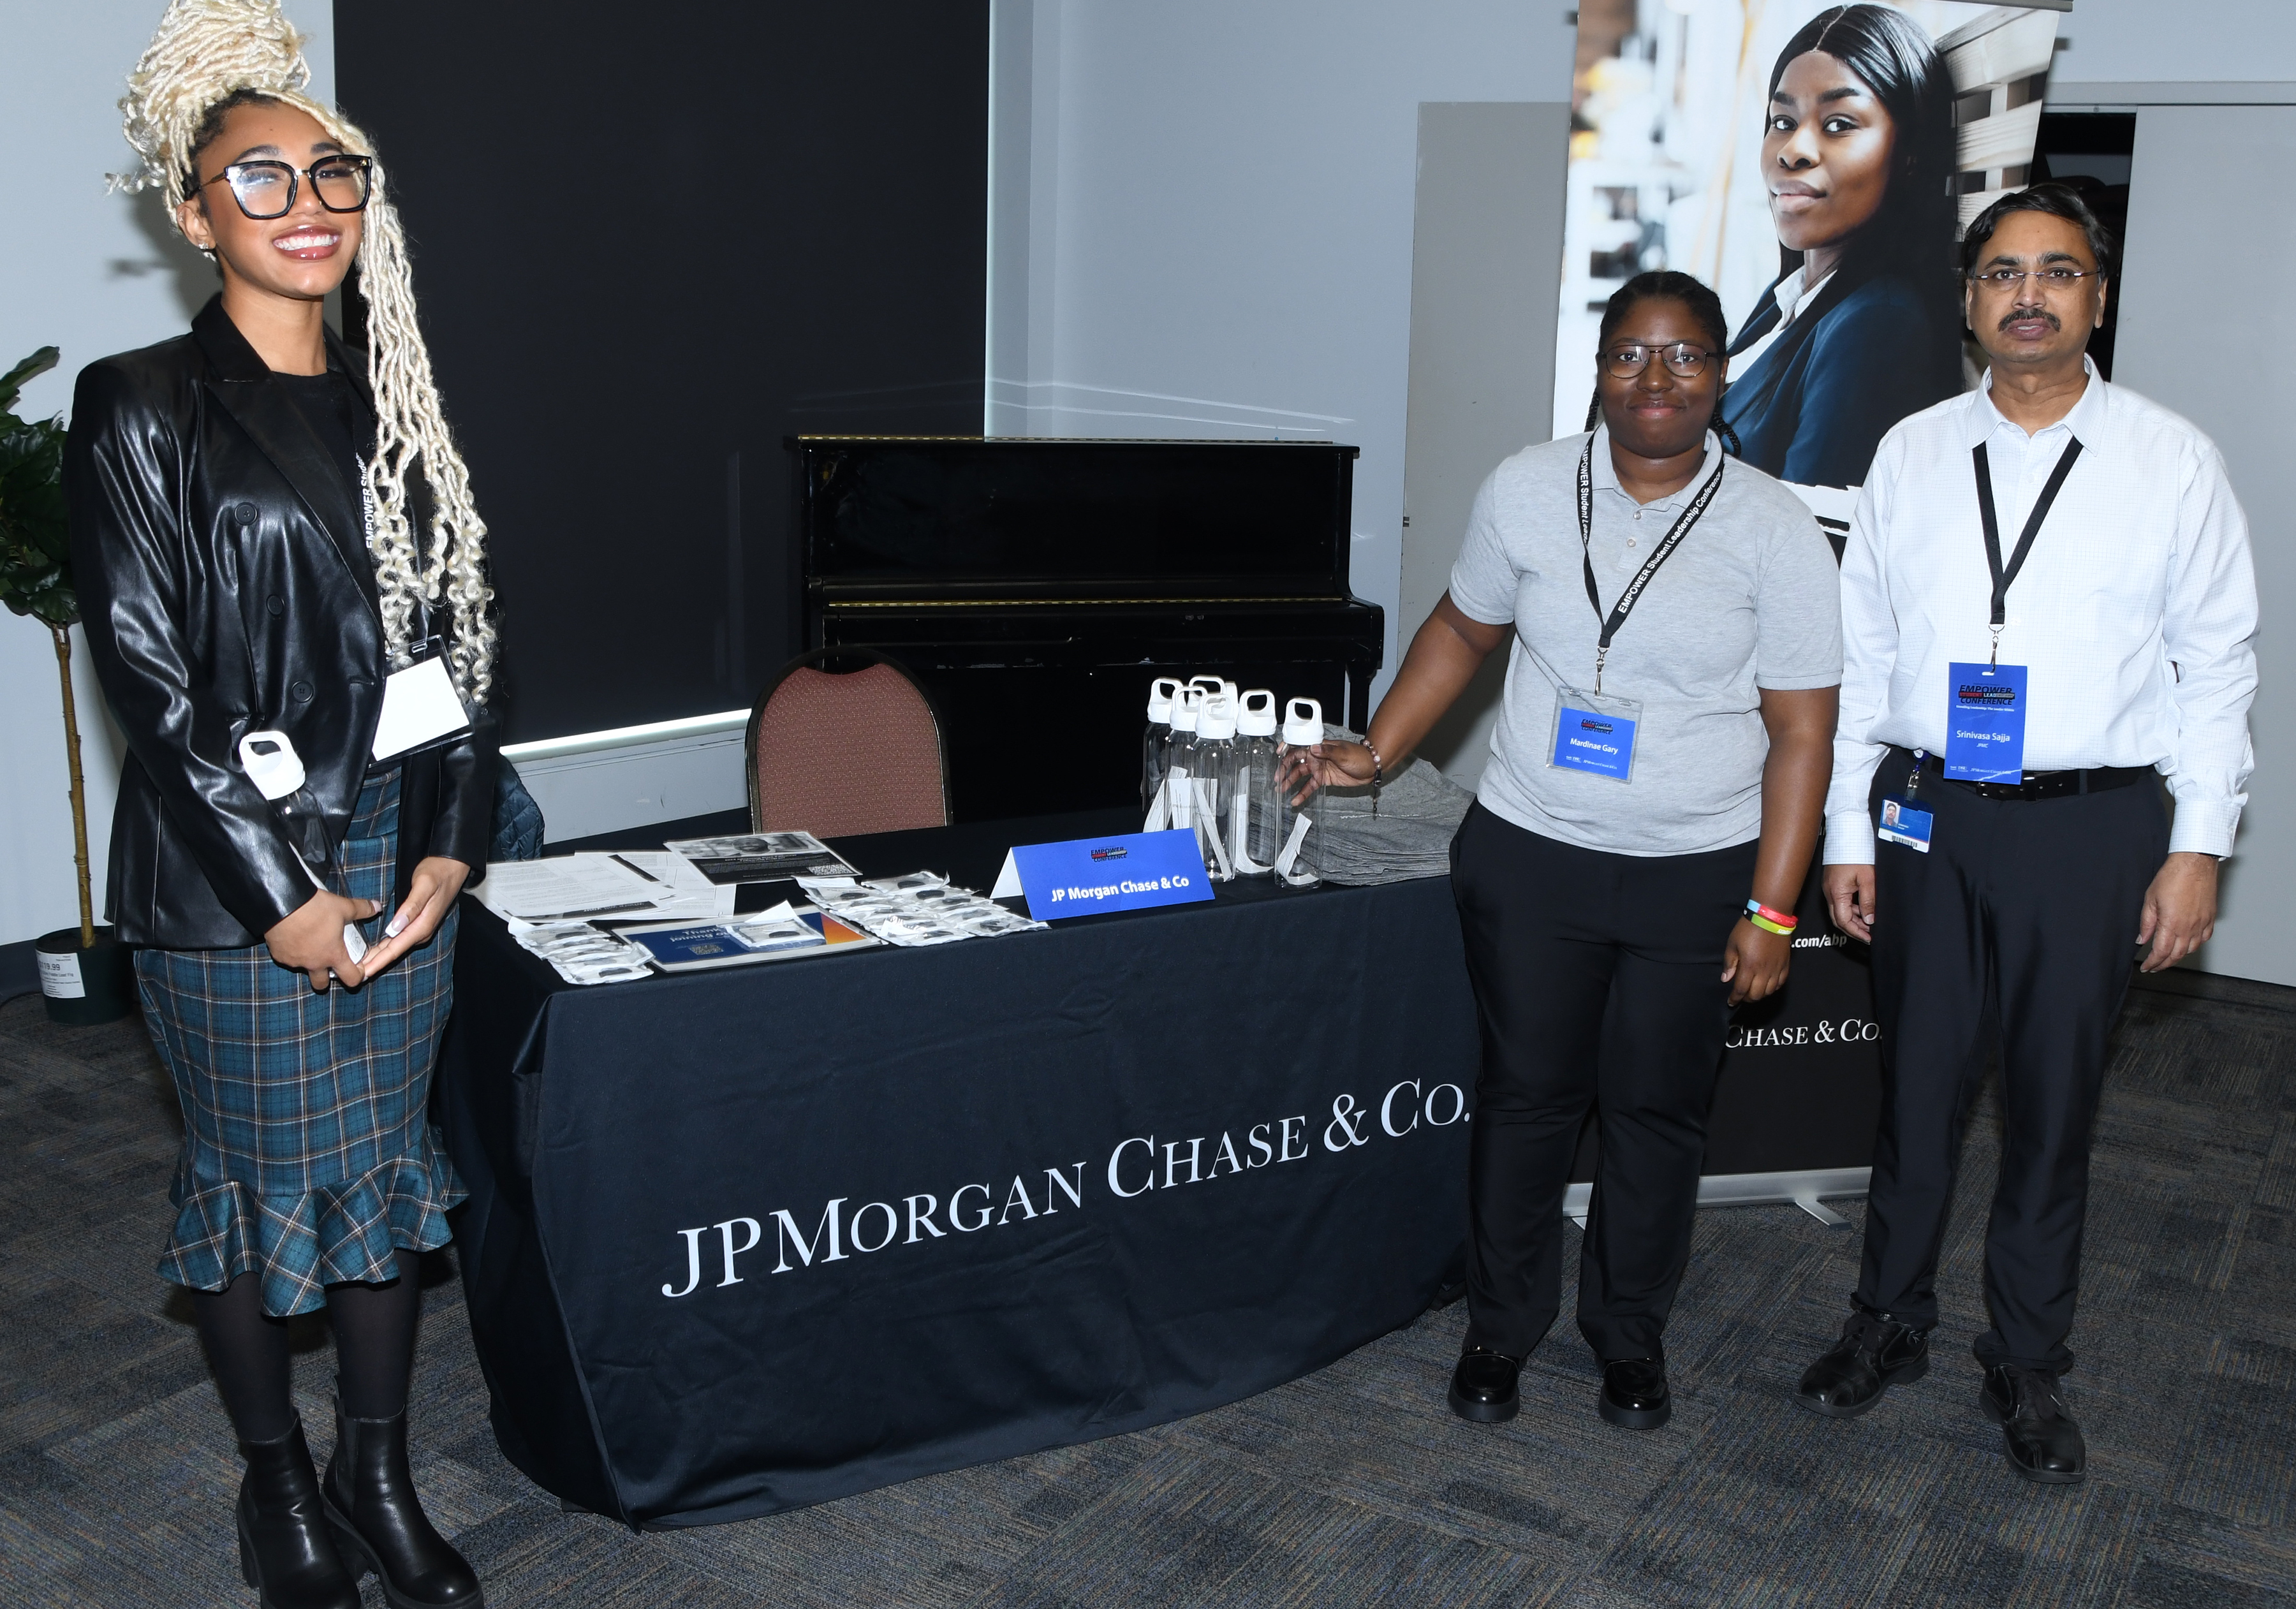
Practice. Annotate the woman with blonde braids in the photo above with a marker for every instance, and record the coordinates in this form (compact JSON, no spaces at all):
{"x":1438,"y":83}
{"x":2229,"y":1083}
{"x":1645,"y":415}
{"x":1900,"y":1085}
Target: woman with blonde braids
{"x":267,"y":524}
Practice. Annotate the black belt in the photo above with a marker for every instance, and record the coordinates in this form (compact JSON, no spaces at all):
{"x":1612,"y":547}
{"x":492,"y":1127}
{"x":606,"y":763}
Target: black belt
{"x":2037,"y":785}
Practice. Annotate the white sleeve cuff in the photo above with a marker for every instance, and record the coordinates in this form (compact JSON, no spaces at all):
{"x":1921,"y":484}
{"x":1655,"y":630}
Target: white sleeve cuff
{"x":2204,"y":827}
{"x":1849,"y":839}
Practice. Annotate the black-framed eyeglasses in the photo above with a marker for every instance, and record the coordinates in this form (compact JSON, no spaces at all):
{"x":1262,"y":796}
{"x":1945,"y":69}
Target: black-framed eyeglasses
{"x":266,"y":189}
{"x":1630,"y":358}
{"x":2048,"y":279}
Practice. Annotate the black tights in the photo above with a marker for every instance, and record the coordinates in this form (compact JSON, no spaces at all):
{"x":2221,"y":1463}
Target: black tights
{"x":375,"y":1349}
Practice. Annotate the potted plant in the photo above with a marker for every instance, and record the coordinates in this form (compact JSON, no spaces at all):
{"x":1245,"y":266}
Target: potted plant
{"x":85,"y":974}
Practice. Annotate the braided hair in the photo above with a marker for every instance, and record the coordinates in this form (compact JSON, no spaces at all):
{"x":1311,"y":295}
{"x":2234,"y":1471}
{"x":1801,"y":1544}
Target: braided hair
{"x":207,"y":58}
{"x":1666,"y":284}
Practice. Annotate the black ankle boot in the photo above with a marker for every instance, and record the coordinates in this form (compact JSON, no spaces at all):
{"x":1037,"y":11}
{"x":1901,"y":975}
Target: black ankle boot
{"x":285,"y":1549}
{"x":378,"y":1521}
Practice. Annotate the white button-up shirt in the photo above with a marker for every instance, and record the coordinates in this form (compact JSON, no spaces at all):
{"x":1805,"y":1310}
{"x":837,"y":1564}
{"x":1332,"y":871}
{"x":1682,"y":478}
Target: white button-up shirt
{"x":2134,"y":614}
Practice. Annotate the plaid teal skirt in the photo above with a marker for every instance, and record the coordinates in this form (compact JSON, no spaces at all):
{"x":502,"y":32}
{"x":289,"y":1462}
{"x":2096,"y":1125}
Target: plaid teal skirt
{"x":308,"y":1154}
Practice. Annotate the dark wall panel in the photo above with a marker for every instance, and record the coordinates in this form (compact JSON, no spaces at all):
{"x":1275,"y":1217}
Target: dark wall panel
{"x":649,"y":242}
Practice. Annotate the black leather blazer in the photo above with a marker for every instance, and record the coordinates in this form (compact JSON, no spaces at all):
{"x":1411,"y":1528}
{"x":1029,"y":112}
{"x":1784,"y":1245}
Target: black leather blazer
{"x":226,"y":585}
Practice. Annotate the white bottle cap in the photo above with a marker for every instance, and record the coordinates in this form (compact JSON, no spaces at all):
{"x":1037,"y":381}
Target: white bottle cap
{"x":1187,"y":703}
{"x":1303,"y":722}
{"x":1209,"y":684}
{"x":1218,"y":718}
{"x":272,"y":764}
{"x":1160,"y":697}
{"x":1257,"y":719}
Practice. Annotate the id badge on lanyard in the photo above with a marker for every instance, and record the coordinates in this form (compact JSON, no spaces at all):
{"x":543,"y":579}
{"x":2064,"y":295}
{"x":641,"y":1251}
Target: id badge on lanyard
{"x":1594,"y":732}
{"x":420,"y":706}
{"x":1984,"y":704}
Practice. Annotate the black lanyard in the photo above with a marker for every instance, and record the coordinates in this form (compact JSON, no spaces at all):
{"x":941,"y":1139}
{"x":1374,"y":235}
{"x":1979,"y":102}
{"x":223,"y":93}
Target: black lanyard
{"x":2003,"y":578}
{"x":1664,"y":551}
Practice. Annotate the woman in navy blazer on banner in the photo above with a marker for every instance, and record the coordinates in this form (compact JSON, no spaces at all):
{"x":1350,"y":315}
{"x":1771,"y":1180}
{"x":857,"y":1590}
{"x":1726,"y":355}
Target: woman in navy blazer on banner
{"x":1861,"y":327}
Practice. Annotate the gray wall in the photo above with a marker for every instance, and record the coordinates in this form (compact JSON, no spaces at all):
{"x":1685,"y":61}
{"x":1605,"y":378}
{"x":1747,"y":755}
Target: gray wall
{"x":2173,"y":350}
{"x":1485,"y":269}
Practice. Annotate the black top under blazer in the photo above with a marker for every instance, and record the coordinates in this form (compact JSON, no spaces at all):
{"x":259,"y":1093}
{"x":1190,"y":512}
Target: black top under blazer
{"x":1866,"y":354}
{"x":221,"y":559}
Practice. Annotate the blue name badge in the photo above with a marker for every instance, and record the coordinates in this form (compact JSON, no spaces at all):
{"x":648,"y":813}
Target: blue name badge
{"x":1131,"y":872}
{"x":1985,"y":723}
{"x":1595,"y":734}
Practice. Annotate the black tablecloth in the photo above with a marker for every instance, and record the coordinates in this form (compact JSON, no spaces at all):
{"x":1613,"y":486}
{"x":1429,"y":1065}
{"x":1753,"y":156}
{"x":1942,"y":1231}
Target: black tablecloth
{"x":1005,"y":1194}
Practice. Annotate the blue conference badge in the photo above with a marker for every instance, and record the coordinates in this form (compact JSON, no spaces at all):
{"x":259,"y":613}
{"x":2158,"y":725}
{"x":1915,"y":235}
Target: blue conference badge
{"x":1597,"y":741}
{"x":1130,"y":872}
{"x":1985,"y":723}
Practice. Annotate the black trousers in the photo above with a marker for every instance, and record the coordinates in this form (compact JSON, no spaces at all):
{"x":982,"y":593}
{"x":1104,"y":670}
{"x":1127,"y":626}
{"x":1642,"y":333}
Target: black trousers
{"x":2017,"y":928}
{"x":1597,"y":981}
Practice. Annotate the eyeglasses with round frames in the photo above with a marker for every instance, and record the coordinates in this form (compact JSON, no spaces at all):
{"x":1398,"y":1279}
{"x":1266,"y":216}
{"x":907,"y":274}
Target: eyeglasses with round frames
{"x":267,"y":189}
{"x":2048,"y":279}
{"x":1629,"y":360}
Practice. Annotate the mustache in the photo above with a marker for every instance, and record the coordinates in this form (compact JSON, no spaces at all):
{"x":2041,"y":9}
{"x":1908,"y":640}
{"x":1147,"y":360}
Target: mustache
{"x":2019,"y":315}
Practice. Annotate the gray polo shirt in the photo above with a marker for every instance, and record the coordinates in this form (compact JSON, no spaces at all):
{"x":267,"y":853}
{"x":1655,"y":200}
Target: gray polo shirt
{"x":1752,"y":598}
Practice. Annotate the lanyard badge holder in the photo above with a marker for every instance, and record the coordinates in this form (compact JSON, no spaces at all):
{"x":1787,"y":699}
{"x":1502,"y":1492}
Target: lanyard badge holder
{"x":276,"y":770}
{"x":1984,"y":704}
{"x":1594,"y":731}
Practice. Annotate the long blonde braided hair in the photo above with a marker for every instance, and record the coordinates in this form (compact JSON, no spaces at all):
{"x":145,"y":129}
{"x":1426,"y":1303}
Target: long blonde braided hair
{"x":205,"y":52}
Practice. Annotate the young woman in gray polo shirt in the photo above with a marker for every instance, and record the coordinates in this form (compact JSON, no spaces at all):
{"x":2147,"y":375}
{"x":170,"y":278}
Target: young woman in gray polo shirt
{"x":1654,"y":795}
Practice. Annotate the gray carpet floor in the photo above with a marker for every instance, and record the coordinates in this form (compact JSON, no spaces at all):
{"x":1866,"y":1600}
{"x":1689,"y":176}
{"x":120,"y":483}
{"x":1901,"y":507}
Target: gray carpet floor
{"x":1354,"y":1486}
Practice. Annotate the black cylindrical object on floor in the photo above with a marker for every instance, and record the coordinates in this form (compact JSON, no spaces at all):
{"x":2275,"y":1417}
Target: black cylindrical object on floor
{"x":86,"y":986}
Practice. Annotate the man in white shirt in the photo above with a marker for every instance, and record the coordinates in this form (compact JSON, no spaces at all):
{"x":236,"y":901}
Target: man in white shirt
{"x":2048,"y":608}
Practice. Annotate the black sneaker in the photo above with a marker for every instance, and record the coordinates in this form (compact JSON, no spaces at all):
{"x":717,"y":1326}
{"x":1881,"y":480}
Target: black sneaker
{"x":1874,"y":1353}
{"x":2037,"y":1436}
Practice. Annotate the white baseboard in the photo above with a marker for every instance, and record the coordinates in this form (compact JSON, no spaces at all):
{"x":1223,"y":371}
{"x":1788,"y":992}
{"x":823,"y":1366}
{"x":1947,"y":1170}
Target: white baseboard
{"x":633,"y":776}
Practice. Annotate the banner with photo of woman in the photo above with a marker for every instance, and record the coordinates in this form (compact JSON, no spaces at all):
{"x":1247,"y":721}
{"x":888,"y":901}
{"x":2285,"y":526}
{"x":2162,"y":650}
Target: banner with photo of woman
{"x":1814,"y":163}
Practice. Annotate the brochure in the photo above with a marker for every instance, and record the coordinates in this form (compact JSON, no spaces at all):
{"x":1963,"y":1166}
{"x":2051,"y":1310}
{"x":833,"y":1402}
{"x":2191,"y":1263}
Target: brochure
{"x":758,"y":857}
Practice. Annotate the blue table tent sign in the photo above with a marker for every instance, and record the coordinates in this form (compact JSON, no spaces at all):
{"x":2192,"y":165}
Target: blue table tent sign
{"x":1130,"y":872}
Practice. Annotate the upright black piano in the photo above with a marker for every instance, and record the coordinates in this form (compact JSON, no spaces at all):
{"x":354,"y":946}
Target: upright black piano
{"x":1035,"y":587}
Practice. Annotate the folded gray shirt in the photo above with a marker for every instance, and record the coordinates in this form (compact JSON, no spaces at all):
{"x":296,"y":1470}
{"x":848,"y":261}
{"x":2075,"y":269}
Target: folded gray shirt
{"x":1750,"y":600}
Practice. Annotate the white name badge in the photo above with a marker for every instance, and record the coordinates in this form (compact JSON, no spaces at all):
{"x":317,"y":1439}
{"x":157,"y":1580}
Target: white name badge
{"x":419,"y":706}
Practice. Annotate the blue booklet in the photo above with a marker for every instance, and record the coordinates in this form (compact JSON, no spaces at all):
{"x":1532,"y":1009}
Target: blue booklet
{"x":770,"y":936}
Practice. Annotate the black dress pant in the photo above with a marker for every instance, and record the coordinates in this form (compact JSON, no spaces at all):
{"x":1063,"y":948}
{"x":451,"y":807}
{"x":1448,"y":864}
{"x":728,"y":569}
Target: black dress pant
{"x":1597,"y":981}
{"x":2017,"y":928}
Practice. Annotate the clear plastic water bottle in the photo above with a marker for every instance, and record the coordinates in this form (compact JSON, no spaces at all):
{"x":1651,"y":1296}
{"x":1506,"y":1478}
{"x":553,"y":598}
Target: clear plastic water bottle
{"x":1254,"y":826}
{"x":1299,"y":861}
{"x":1179,"y":796}
{"x":1157,"y":739}
{"x":1211,"y":767}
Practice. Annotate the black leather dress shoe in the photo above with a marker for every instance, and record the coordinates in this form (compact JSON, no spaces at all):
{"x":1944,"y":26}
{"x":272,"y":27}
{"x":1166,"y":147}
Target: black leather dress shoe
{"x":1634,"y":1393}
{"x":1482,"y":1387}
{"x":1874,"y":1353}
{"x":2038,"y":1436}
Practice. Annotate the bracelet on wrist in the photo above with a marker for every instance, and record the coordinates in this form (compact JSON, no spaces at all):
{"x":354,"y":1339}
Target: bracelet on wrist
{"x":1770,"y":920}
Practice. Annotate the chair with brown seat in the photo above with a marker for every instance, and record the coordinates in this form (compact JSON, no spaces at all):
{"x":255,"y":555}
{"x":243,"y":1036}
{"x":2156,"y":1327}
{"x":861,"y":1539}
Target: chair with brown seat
{"x":855,"y":748}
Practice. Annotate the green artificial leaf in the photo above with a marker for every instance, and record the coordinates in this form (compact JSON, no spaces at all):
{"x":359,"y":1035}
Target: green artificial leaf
{"x":35,"y":533}
{"x":12,"y":382}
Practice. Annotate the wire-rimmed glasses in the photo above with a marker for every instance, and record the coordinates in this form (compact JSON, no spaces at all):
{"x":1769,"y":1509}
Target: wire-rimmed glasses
{"x":1630,"y":358}
{"x":266,"y":189}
